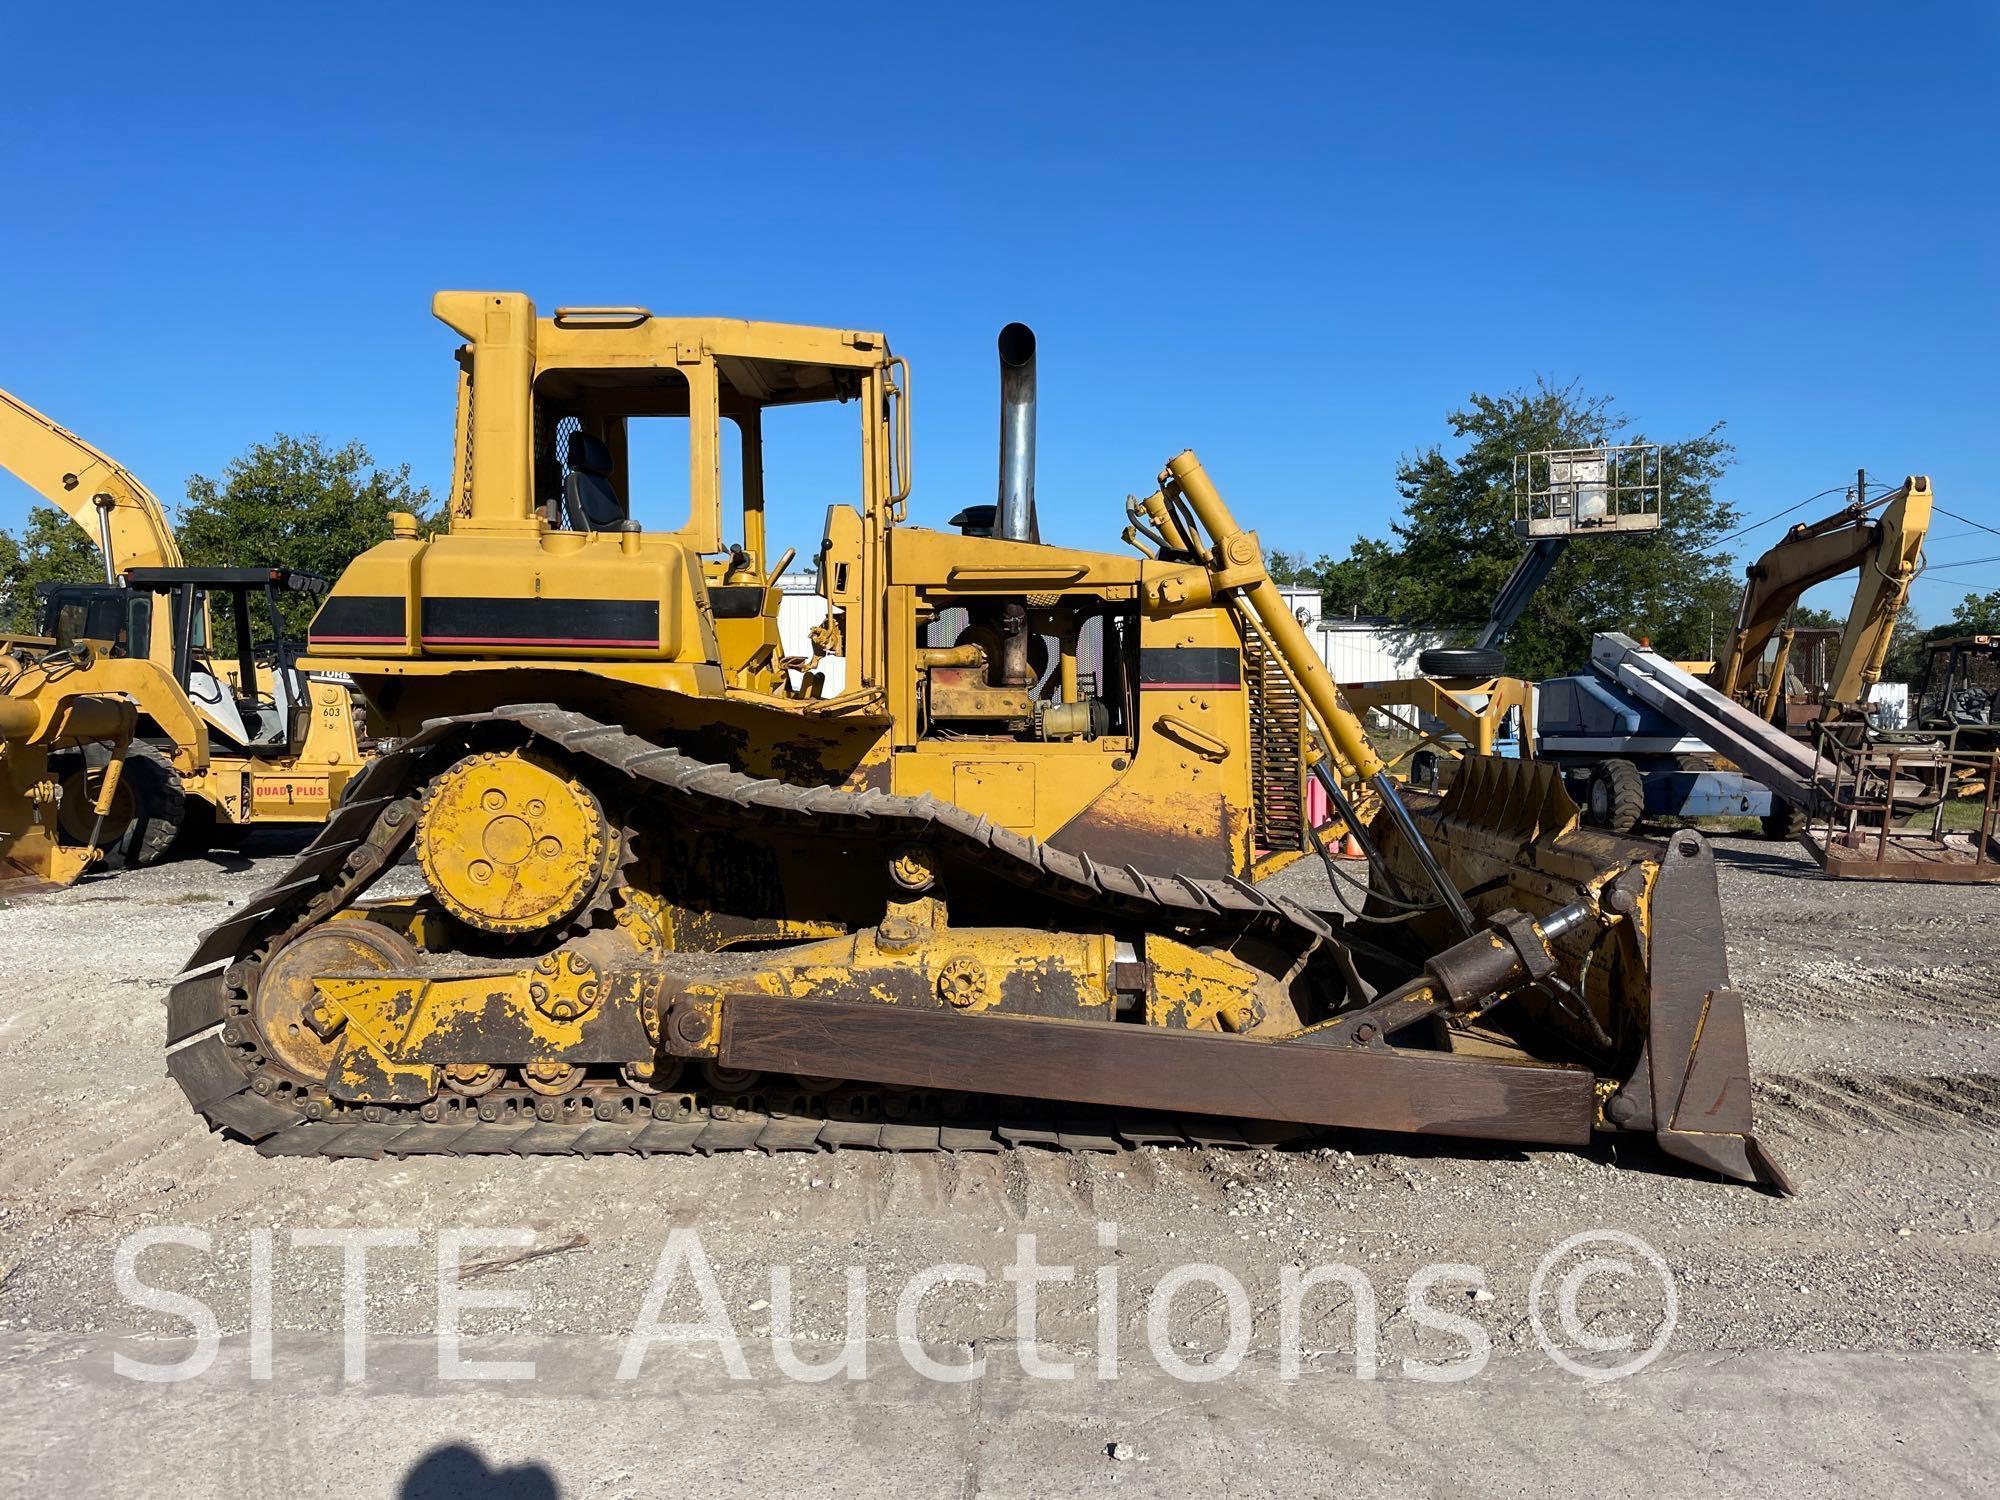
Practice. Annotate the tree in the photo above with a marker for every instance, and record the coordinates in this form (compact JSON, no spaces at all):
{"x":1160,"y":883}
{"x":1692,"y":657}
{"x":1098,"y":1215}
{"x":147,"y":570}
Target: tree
{"x":51,"y":548}
{"x":297,"y":503}
{"x":1909,"y":645}
{"x":1357,"y":584}
{"x":1975,"y":614}
{"x":291,"y":502}
{"x":1811,"y":617}
{"x":1905,"y":661}
{"x":1455,"y":543}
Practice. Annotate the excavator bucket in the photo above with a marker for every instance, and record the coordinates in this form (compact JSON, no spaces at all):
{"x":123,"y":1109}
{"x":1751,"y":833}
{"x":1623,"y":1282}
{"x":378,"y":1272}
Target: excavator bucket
{"x":1646,"y":1000}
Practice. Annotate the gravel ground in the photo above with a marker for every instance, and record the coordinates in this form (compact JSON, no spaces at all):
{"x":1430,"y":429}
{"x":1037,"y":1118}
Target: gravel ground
{"x":1844,"y":1341}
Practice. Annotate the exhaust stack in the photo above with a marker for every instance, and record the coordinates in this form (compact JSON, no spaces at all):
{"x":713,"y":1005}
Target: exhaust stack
{"x":1014,"y":517}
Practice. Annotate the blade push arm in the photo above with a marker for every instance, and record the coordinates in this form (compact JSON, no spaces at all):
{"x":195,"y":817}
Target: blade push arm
{"x":1236,"y":569}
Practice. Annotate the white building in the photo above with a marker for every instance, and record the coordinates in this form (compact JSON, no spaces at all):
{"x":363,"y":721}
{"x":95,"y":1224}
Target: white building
{"x":798,"y":612}
{"x":1361,"y":649}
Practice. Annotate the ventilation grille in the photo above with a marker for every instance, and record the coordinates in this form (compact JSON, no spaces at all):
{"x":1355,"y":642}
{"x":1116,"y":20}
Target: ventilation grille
{"x":1276,"y":758}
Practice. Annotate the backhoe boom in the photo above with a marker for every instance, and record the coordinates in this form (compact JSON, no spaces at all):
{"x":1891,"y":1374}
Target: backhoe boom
{"x":115,"y":510}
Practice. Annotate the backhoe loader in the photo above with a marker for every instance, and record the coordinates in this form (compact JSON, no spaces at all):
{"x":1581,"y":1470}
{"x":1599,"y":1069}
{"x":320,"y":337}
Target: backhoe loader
{"x":220,"y":739}
{"x":996,"y":892}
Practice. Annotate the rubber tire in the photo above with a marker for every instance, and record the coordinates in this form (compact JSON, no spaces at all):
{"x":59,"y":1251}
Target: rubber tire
{"x":1785,"y":822}
{"x":1616,"y":797}
{"x":159,"y":802}
{"x":198,"y":832}
{"x":1461,"y":661}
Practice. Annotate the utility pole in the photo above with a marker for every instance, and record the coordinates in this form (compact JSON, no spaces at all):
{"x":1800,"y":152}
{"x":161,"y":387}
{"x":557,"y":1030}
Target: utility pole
{"x":1860,"y":487}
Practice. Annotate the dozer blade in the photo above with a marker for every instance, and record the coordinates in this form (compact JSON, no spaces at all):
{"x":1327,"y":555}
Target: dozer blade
{"x":1648,"y":998}
{"x":1151,"y":1068}
{"x":1105,"y":994}
{"x":1692,"y":1087}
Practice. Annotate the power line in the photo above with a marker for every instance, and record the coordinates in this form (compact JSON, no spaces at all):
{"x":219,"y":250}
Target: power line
{"x":1838,"y":489}
{"x":1981,"y":525}
{"x":1957,"y":583}
{"x":1970,"y":562}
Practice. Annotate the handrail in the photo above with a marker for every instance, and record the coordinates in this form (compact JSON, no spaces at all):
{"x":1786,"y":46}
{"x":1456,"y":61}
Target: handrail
{"x":602,"y":317}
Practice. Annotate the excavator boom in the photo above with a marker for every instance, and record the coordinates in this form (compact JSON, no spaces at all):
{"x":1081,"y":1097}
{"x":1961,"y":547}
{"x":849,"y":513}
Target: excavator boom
{"x":206,"y":747}
{"x":115,"y":510}
{"x":1888,"y":550}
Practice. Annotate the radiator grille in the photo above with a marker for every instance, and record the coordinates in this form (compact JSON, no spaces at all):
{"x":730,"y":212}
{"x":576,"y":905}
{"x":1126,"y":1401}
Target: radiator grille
{"x":1276,"y":753}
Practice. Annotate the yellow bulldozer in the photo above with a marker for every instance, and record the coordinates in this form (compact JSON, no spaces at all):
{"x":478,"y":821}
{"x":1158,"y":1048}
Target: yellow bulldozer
{"x":997,"y":889}
{"x":218,"y":739}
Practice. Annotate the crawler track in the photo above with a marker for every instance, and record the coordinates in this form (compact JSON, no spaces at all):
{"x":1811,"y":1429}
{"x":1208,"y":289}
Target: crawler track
{"x":236,"y":1087}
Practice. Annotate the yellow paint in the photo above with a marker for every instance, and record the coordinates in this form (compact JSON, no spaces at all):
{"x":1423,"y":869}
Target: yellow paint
{"x":1180,"y":770}
{"x":510,"y":844}
{"x":129,"y":526}
{"x":1171,"y":789}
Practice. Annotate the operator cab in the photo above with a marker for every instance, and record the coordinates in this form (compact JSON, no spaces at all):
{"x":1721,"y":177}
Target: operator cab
{"x":1959,"y":688}
{"x":254,"y":696}
{"x":116,"y":621}
{"x":642,"y":447}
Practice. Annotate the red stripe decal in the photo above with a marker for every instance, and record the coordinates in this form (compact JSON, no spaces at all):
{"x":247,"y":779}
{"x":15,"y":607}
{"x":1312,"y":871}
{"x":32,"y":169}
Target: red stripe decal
{"x":535,"y":640}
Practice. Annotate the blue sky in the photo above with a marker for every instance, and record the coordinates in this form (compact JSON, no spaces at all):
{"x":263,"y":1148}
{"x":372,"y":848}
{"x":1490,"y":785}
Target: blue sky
{"x":1292,"y":238}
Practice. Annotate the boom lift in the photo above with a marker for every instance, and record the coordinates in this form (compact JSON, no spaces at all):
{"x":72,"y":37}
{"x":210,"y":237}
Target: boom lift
{"x":995,"y":892}
{"x":214,"y":743}
{"x":1648,"y":744}
{"x":1558,"y":495}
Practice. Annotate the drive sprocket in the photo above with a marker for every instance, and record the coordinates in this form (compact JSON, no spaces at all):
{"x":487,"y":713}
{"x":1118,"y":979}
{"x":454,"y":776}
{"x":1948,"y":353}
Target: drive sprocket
{"x":512,"y":845}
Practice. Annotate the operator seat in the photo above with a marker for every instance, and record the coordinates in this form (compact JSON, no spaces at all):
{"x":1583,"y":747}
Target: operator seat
{"x":589,"y":502}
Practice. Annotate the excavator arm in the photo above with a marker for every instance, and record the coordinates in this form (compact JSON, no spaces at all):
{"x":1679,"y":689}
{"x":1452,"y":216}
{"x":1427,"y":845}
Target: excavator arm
{"x":118,"y":512}
{"x":1887,"y":548}
{"x":1886,"y":575}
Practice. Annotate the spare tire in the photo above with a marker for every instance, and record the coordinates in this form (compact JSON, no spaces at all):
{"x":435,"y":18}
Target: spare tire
{"x":1461,"y":661}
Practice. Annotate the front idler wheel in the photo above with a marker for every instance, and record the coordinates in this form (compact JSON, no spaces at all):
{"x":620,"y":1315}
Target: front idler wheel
{"x":285,"y":995}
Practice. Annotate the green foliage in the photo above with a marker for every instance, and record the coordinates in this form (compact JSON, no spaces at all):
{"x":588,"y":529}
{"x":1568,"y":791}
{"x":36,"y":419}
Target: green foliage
{"x":292,"y":502}
{"x":1905,"y":661}
{"x":50,"y":548}
{"x":1455,"y":545}
{"x":1975,"y":614}
{"x":297,"y":503}
{"x":1810,"y":617}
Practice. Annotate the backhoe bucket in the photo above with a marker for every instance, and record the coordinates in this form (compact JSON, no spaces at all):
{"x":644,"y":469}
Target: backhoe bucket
{"x":1644,"y":996}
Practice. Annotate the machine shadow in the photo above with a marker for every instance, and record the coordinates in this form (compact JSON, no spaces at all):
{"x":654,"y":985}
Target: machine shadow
{"x":459,"y":1471}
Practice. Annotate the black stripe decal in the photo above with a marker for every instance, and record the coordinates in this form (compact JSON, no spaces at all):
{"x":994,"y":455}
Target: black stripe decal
{"x":360,"y":617}
{"x":1190,"y":666}
{"x":736,"y":601}
{"x":567,"y":622}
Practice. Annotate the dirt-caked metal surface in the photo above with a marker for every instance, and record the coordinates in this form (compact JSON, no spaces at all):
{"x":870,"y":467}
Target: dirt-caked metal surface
{"x":225,"y":1081}
{"x":220,"y":1063}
